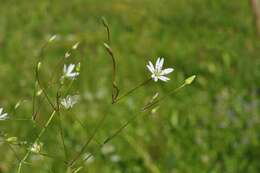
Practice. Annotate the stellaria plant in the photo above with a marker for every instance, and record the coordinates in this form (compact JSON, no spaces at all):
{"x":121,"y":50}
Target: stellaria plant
{"x":157,"y":73}
{"x":64,"y":76}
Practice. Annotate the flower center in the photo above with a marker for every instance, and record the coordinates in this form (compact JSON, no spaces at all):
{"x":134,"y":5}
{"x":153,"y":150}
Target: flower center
{"x":157,"y":72}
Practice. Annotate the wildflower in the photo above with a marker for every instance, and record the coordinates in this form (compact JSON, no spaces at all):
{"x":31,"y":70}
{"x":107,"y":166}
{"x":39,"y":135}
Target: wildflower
{"x":3,"y":116}
{"x":69,"y":101}
{"x":36,"y":147}
{"x":157,"y":71}
{"x":67,"y":54}
{"x":69,"y":71}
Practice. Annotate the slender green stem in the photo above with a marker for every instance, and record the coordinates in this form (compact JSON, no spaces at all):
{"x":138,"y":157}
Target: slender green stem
{"x":36,"y":141}
{"x":12,"y":149}
{"x":132,"y":90}
{"x":149,"y":105}
{"x":43,"y":89}
{"x":52,"y":157}
{"x":40,"y":57}
{"x":109,"y":138}
{"x":115,"y":134}
{"x":60,"y":124}
{"x":104,"y":21}
{"x":69,"y":87}
{"x":86,"y":128}
{"x":115,"y":89}
{"x":132,"y":119}
{"x":88,"y":141}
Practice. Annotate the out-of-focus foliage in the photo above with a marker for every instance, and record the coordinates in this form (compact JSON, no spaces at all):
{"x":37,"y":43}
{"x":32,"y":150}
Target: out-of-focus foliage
{"x":212,"y":125}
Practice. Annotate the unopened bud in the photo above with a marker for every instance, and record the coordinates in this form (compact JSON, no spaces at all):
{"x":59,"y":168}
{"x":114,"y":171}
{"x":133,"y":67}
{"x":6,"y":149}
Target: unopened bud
{"x":75,"y":46}
{"x":11,"y":139}
{"x":52,"y":38}
{"x":190,"y":79}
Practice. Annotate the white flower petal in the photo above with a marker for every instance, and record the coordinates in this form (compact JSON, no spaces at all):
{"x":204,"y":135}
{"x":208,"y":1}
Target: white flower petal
{"x":70,"y":68}
{"x":167,"y":71}
{"x":74,"y":74}
{"x":68,"y":71}
{"x":149,"y":68}
{"x":151,"y":65}
{"x":65,"y":69}
{"x":161,"y":64}
{"x":163,"y":78}
{"x":157,"y":65}
{"x":69,"y":101}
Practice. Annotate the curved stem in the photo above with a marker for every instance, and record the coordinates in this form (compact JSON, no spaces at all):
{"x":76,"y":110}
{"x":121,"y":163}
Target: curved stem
{"x":43,"y":89}
{"x":35,"y":77}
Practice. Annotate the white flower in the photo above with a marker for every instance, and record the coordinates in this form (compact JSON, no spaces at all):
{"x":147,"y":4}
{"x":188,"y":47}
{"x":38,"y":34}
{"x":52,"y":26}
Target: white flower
{"x":36,"y":147}
{"x":69,"y":101}
{"x":69,"y":71}
{"x":67,"y":54}
{"x":3,"y":116}
{"x":157,"y":71}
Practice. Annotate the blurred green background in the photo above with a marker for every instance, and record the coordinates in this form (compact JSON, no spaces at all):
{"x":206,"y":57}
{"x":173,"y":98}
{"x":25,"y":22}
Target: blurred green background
{"x":211,"y":126}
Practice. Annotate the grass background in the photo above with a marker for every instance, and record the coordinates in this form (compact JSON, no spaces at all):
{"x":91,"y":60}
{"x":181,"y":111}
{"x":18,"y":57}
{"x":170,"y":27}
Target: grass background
{"x":210,"y":126}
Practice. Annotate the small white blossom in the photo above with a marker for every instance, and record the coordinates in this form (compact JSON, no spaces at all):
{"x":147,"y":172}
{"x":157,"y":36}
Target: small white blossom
{"x":69,"y":71}
{"x":36,"y":147}
{"x":3,"y":116}
{"x":69,"y":101}
{"x":67,"y":55}
{"x":157,"y":71}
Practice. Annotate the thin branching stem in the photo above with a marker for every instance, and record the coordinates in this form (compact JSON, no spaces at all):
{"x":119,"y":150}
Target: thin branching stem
{"x":52,"y":157}
{"x":156,"y":102}
{"x":36,"y":140}
{"x":86,"y":128}
{"x":12,"y":149}
{"x":133,"y":89}
{"x":89,"y":140}
{"x":115,"y":89}
{"x":60,"y":125}
{"x":40,"y":57}
{"x":132,"y":119}
{"x":43,"y":89}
